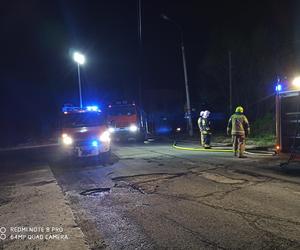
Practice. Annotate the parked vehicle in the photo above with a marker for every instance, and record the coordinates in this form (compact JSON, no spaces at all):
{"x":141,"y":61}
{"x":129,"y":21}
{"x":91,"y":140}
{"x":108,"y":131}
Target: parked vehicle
{"x":84,"y":132}
{"x":127,"y":121}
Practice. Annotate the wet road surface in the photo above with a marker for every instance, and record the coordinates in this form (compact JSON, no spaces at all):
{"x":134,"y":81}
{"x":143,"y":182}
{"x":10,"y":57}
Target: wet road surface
{"x":156,"y":197}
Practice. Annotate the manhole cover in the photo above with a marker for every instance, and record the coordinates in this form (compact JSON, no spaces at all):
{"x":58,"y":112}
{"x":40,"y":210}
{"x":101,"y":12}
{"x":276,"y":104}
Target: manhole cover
{"x":221,"y":178}
{"x":95,"y":191}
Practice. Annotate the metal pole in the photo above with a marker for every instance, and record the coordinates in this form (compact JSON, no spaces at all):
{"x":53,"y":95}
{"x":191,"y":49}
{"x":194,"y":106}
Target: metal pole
{"x":140,"y":50}
{"x":188,"y":104}
{"x":278,"y":118}
{"x":79,"y":85}
{"x":230,"y":82}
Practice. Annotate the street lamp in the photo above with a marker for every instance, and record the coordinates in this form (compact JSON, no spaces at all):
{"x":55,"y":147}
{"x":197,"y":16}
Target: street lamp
{"x":188,"y":104}
{"x":80,"y":60}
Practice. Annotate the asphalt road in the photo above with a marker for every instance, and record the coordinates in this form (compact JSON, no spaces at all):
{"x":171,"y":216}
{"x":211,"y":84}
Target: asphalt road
{"x":151,"y":196}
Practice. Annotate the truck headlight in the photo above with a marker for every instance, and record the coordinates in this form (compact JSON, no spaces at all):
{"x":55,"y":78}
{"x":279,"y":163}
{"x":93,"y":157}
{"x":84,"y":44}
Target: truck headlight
{"x":111,"y":129}
{"x":66,"y":139}
{"x":133,"y":128}
{"x":105,"y":136}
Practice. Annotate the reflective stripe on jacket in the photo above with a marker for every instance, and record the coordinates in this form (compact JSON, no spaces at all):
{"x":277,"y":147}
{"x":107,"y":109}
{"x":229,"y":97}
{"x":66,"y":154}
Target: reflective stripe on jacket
{"x":205,"y":126}
{"x":238,"y":123}
{"x":199,"y":123}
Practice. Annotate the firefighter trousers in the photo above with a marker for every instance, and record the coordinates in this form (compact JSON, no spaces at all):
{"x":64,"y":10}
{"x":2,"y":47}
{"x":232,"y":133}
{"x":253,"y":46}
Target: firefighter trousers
{"x":206,"y":139}
{"x":201,"y":138}
{"x":238,"y":144}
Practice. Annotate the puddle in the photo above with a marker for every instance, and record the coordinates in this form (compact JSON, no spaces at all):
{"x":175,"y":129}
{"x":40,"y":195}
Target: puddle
{"x":95,"y":192}
{"x":221,"y":178}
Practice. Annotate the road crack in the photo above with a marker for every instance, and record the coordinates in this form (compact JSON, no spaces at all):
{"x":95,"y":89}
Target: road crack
{"x":195,"y":233}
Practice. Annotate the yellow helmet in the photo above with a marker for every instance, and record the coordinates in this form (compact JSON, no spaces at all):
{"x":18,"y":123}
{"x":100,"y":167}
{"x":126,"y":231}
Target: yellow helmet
{"x":239,"y":109}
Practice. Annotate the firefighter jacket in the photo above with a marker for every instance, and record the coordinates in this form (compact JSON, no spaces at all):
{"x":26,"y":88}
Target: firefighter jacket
{"x":199,"y":123}
{"x":238,"y":124}
{"x":205,"y":126}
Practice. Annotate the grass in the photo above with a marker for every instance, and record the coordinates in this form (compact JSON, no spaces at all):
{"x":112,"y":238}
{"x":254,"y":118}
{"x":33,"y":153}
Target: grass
{"x":263,"y":140}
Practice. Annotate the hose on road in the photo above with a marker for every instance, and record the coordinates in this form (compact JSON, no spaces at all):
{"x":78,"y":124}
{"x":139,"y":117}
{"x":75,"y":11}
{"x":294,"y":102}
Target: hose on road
{"x":219,"y":150}
{"x":202,"y":149}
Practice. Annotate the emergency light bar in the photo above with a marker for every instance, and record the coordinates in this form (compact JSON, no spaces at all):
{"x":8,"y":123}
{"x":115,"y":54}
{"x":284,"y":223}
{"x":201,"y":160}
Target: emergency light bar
{"x":92,"y":108}
{"x":68,"y":108}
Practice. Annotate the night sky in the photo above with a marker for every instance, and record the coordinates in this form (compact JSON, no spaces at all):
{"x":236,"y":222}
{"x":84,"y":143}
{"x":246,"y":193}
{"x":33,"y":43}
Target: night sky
{"x":38,"y":75}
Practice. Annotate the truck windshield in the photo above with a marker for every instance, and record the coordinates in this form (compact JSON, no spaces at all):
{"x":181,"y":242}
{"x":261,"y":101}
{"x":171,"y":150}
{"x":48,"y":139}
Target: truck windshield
{"x":86,"y":119}
{"x":122,"y":110}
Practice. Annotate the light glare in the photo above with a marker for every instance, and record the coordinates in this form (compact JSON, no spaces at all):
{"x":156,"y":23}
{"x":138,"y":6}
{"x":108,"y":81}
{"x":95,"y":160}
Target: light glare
{"x":67,"y":140}
{"x":278,"y":87}
{"x":92,"y":108}
{"x":133,"y":128}
{"x":296,"y":82}
{"x":79,"y":58}
{"x":105,"y":137}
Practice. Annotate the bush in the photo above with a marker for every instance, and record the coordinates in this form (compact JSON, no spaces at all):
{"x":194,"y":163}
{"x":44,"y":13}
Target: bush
{"x":264,"y":126}
{"x":263,"y":131}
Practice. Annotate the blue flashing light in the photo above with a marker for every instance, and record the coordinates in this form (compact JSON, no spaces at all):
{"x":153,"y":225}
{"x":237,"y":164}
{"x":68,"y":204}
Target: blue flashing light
{"x":95,"y":143}
{"x":278,"y":88}
{"x":92,"y":108}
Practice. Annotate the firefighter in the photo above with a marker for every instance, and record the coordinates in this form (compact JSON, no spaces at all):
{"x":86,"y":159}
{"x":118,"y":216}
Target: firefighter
{"x":238,"y":126}
{"x":200,"y":127}
{"x":206,"y":130}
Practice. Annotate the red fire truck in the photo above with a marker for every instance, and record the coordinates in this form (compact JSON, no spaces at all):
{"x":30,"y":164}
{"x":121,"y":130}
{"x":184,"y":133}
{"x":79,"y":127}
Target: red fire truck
{"x":127,"y":121}
{"x":84,"y":132}
{"x":288,"y":121}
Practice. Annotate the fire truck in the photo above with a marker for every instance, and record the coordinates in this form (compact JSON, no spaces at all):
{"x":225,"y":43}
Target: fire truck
{"x":127,"y":121}
{"x":84,"y":132}
{"x":288,"y":121}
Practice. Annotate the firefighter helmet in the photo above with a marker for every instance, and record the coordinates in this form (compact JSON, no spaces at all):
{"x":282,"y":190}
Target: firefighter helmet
{"x":206,"y":114}
{"x":239,"y":109}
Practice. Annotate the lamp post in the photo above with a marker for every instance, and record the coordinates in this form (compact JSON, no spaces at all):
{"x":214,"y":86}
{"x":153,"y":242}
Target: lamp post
{"x":188,"y":104}
{"x":80,"y":60}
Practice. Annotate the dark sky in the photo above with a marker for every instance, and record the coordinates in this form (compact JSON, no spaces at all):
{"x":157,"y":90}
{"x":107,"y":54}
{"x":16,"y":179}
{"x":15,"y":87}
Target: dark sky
{"x":37,"y":74}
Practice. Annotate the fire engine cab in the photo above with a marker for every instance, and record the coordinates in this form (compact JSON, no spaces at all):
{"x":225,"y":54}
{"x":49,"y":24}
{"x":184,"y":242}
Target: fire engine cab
{"x":84,"y":132}
{"x":127,"y":121}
